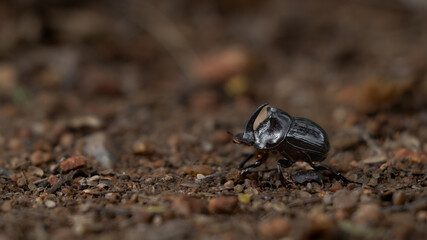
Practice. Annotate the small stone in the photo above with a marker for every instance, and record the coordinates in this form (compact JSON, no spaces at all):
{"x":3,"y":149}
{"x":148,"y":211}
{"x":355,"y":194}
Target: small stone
{"x":335,"y":186}
{"x":200,"y":176}
{"x":320,"y":220}
{"x":6,"y":206}
{"x":233,"y":175}
{"x":168,"y":178}
{"x":112,"y":197}
{"x":186,"y":206}
{"x":8,"y":79}
{"x":251,"y":191}
{"x":15,"y":144}
{"x":21,"y":181}
{"x":244,"y":198}
{"x":223,"y":204}
{"x":35,"y":171}
{"x":38,"y":158}
{"x":85,"y":122}
{"x":238,"y":188}
{"x":193,"y":170}
{"x":66,"y":140}
{"x":276,"y":227}
{"x":229,"y":184}
{"x":72,"y":163}
{"x":398,"y":198}
{"x":98,"y":146}
{"x":368,"y":215}
{"x":237,"y":86}
{"x":341,"y":214}
{"x":142,"y":148}
{"x":345,"y":199}
{"x":409,"y":155}
{"x":422,"y":216}
{"x":50,"y":204}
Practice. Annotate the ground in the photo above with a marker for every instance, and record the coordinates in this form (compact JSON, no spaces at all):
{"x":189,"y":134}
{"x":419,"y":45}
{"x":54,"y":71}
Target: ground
{"x":115,"y":119}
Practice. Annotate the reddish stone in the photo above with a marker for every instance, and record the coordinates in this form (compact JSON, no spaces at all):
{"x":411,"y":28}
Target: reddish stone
{"x":52,"y":180}
{"x":72,"y":163}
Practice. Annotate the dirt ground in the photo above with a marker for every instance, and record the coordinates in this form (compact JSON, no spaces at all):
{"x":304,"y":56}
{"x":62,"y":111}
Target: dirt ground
{"x":115,"y":118}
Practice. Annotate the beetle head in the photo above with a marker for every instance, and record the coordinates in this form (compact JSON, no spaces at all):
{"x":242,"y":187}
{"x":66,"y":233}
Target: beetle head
{"x":248,"y":136}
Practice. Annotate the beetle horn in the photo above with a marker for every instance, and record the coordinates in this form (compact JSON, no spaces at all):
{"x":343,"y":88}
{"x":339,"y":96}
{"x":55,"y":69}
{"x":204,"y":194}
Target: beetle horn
{"x":249,"y":129}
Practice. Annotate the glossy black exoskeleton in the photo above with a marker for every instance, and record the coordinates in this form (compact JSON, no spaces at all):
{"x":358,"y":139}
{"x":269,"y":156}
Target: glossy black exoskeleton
{"x":295,"y":139}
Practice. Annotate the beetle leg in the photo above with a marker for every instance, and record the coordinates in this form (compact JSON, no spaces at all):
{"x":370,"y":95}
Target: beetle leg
{"x":285,"y":163}
{"x":319,"y":167}
{"x":245,"y":161}
{"x":337,"y":174}
{"x":261,"y":159}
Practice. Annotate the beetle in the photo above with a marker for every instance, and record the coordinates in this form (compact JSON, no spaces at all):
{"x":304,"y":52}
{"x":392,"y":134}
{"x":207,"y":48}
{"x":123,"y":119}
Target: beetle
{"x":270,"y":129}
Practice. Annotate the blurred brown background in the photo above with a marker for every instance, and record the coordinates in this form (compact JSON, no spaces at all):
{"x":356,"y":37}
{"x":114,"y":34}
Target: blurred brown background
{"x":150,"y":89}
{"x":298,"y":55}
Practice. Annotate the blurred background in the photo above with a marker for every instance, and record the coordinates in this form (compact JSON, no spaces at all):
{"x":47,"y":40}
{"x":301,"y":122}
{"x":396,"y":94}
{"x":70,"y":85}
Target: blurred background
{"x":142,"y":93}
{"x":62,"y":58}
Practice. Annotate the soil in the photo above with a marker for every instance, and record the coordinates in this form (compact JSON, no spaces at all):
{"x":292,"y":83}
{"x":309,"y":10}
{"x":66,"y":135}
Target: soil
{"x":115,"y":118}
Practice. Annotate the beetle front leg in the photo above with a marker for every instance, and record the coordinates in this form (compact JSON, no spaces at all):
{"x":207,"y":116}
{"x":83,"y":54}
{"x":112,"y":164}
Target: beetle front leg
{"x":283,"y":163}
{"x":261,"y":159}
{"x":242,"y":164}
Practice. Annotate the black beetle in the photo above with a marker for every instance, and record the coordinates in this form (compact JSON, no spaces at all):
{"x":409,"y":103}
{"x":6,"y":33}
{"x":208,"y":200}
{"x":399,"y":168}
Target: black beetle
{"x":296,"y":139}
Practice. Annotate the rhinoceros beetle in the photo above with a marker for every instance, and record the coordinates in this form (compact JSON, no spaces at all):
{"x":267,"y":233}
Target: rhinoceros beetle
{"x":270,"y":129}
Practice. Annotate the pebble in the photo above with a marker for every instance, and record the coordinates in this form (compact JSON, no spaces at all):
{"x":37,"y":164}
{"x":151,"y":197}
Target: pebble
{"x":229,"y":184}
{"x":275,"y":227}
{"x":6,"y":206}
{"x":244,"y":198}
{"x":14,"y":144}
{"x":238,"y":188}
{"x":72,"y":163}
{"x":320,"y":220}
{"x":50,"y":204}
{"x":368,"y":215}
{"x":223,"y":204}
{"x":398,"y":198}
{"x":422,"y":216}
{"x":409,"y":155}
{"x":66,"y":140}
{"x":38,"y":158}
{"x":233,"y":175}
{"x":85,"y":122}
{"x":335,"y":186}
{"x":8,"y":79}
{"x":142,"y":148}
{"x":52,"y":180}
{"x":96,"y":146}
{"x":193,"y":170}
{"x":345,"y":199}
{"x":35,"y":171}
{"x":186,"y":206}
{"x":112,"y":197}
{"x":200,"y":176}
